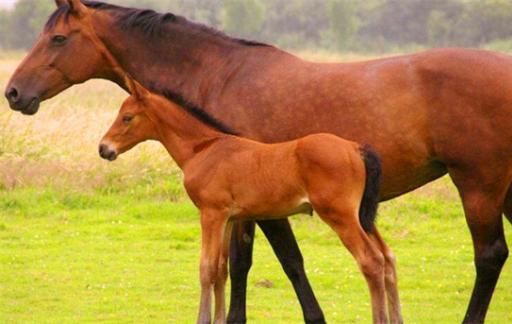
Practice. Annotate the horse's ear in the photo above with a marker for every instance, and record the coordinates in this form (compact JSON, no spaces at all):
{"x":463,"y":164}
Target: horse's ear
{"x":60,"y":3}
{"x":76,"y":7}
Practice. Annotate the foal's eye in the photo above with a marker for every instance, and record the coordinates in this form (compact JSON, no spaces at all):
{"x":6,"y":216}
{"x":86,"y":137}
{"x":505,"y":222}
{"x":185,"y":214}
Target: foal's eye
{"x":127,"y":119}
{"x":59,"y":40}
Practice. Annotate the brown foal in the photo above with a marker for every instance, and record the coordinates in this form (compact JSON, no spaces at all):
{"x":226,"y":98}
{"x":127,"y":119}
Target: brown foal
{"x":233,"y":178}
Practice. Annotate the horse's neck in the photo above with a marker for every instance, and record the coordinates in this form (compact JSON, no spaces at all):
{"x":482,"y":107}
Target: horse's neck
{"x":192,"y":63}
{"x":182,"y":134}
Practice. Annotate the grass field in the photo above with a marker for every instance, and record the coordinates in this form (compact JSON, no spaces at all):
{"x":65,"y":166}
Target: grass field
{"x":84,"y":240}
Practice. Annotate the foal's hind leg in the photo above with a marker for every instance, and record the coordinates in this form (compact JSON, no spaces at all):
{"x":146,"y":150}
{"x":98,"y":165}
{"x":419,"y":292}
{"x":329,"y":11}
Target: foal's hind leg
{"x":367,"y":255}
{"x":394,"y":309}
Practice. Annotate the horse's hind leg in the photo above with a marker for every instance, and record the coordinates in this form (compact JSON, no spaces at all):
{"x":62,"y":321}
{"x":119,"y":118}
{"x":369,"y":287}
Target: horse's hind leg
{"x":486,"y":225}
{"x":394,"y":309}
{"x":483,"y":209}
{"x":366,"y":253}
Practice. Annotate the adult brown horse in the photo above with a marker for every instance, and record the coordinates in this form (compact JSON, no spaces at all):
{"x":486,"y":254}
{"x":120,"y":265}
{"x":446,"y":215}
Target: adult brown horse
{"x":426,"y":114}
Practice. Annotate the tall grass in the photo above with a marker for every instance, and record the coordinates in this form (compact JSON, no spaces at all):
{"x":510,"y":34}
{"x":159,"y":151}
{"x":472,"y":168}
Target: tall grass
{"x":58,"y":146}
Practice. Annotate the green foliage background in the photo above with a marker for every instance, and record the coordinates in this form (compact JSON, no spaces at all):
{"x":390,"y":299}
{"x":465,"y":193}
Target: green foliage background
{"x":371,"y":25}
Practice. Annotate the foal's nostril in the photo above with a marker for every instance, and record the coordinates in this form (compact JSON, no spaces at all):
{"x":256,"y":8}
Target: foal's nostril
{"x":112,"y":156}
{"x":107,"y":153}
{"x":12,"y":95}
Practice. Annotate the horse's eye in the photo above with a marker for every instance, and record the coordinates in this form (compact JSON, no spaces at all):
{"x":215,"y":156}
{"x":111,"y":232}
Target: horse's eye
{"x":59,"y":40}
{"x":127,"y":119}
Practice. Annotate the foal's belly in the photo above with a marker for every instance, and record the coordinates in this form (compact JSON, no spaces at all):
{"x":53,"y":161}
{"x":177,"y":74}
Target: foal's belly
{"x":271,"y":208}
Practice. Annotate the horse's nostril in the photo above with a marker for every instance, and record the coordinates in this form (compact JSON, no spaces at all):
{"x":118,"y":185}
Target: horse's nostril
{"x":12,"y":95}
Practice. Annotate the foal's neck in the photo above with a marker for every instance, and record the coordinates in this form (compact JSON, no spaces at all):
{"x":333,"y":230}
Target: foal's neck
{"x":182,"y":134}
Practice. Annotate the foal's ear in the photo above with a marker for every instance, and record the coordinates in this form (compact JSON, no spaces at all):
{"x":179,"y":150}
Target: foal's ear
{"x":75,"y":6}
{"x":135,"y":88}
{"x":139,"y":91}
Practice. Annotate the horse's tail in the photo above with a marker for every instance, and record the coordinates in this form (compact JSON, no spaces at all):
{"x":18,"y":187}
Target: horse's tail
{"x":370,"y":201}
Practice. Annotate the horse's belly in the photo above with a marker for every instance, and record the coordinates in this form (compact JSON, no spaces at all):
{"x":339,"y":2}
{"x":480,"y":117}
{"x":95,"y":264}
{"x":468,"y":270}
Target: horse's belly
{"x":398,"y":181}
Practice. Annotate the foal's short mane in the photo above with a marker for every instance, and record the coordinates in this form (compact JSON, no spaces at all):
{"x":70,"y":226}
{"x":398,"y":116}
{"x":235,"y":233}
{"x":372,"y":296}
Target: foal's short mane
{"x":149,"y":21}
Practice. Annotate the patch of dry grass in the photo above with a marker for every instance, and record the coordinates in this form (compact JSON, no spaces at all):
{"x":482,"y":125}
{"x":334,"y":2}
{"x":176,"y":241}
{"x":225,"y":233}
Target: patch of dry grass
{"x":58,"y":145}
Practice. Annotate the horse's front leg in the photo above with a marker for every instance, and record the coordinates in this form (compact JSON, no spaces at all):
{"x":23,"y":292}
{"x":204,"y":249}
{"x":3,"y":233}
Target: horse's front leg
{"x":240,"y":261}
{"x":213,"y":225}
{"x":280,"y":235}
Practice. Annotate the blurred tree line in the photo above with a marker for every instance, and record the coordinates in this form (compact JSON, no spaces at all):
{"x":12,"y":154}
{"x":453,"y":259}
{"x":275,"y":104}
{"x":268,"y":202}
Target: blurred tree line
{"x":370,"y":25}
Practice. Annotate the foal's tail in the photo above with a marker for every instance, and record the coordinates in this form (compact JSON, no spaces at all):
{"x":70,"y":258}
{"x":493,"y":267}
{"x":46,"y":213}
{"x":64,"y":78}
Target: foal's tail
{"x":370,"y":201}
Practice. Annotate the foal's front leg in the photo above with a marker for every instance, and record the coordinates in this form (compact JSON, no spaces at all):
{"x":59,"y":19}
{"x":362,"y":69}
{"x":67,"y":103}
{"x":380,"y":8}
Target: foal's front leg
{"x":222,"y":275}
{"x":213,"y":226}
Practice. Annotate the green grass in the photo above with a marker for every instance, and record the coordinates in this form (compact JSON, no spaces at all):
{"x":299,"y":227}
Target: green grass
{"x":70,"y":257}
{"x":86,"y":241}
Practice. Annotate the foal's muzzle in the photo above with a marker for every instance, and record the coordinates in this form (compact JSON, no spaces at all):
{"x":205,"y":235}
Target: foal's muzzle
{"x":107,"y":153}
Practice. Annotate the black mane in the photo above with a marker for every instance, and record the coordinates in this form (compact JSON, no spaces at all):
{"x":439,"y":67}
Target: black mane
{"x":54,"y":17}
{"x":150,"y":22}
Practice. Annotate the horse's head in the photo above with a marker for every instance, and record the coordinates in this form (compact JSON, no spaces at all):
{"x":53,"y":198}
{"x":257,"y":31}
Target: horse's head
{"x":132,"y":125}
{"x":67,"y":52}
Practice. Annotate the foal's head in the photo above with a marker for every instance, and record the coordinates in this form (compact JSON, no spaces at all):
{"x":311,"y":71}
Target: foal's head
{"x":132,"y":125}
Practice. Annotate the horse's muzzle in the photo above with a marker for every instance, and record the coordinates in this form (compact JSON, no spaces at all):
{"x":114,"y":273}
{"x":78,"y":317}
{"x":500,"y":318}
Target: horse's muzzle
{"x":28,"y":105}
